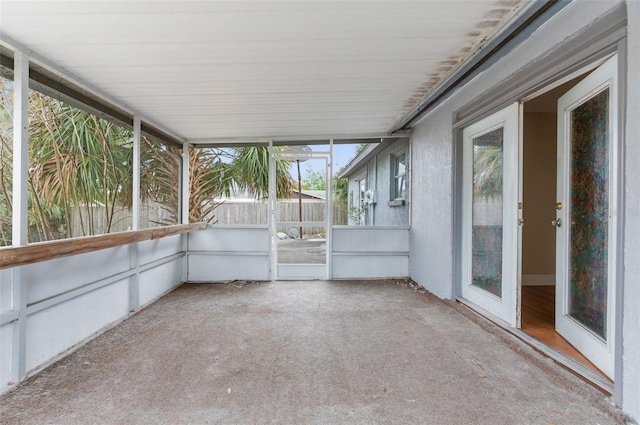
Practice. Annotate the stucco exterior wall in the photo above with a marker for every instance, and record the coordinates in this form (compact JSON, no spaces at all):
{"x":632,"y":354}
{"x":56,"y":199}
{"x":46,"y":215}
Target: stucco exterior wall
{"x":431,"y":262}
{"x":433,"y":237}
{"x":385,"y":215}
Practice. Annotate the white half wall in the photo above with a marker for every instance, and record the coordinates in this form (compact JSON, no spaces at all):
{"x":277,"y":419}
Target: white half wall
{"x":72,"y":299}
{"x":370,"y":252}
{"x":221,"y":253}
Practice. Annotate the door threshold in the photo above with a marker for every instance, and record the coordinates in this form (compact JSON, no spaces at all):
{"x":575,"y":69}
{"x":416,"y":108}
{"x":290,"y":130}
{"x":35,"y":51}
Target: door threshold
{"x":603,"y":384}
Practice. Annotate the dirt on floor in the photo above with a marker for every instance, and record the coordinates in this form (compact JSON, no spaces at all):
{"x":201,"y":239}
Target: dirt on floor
{"x":322,"y":352}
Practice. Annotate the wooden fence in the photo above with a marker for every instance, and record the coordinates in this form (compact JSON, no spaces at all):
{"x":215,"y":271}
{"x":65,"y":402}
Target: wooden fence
{"x":227,"y":213}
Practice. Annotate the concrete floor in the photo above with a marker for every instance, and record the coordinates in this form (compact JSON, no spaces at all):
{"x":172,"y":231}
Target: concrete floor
{"x":305,"y":353}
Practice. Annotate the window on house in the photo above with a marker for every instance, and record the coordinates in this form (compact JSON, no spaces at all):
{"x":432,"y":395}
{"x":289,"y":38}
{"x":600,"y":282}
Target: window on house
{"x":363,"y":192}
{"x":399,"y":190}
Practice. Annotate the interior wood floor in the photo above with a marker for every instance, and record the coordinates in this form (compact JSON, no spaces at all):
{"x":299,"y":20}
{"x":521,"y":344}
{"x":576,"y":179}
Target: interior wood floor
{"x":538,"y":320}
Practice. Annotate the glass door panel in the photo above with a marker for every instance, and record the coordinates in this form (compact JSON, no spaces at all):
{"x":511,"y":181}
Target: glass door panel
{"x":585,"y":224}
{"x":589,"y":213}
{"x":490,"y":214}
{"x":487,"y":212}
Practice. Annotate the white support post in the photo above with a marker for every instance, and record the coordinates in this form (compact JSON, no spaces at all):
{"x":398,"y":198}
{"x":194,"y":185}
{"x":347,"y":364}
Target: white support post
{"x":329,"y":207}
{"x":135,"y":225}
{"x":273,"y":247}
{"x":186,"y":184}
{"x":20,"y":213}
{"x":134,"y":285}
{"x":20,"y":147}
{"x":185,"y":193}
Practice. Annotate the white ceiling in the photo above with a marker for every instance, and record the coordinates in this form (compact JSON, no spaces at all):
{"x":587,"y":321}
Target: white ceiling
{"x":213,"y":70}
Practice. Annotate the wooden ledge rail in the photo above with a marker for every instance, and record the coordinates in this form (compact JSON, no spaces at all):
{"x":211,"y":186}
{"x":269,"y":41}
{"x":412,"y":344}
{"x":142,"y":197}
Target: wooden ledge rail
{"x":21,"y":255}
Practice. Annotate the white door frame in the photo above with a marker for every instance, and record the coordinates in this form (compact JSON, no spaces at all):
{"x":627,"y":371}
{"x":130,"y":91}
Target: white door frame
{"x":300,"y":271}
{"x":504,"y":307}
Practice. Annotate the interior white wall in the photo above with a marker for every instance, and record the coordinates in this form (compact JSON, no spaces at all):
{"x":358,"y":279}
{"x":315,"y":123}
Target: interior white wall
{"x":631,"y":316}
{"x":539,"y":197}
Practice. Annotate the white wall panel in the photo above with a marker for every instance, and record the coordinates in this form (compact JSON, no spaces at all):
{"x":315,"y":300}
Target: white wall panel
{"x":216,"y":268}
{"x":159,"y":248}
{"x":230,"y":239}
{"x":49,"y":278}
{"x":370,"y":252}
{"x":370,"y":266}
{"x":5,"y":290}
{"x":52,"y":331}
{"x":158,"y":280}
{"x":6,"y":336}
{"x":370,"y":239}
{"x":221,"y":253}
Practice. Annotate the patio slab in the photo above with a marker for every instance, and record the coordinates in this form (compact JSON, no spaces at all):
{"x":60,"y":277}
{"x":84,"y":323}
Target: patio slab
{"x":336,"y":352}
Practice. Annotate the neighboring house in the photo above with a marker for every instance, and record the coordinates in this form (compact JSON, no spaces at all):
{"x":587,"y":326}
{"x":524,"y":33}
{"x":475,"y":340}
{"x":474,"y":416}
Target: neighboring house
{"x":379,"y":187}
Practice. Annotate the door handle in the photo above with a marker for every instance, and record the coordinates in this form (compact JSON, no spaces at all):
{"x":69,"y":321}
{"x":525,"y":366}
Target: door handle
{"x":556,"y":222}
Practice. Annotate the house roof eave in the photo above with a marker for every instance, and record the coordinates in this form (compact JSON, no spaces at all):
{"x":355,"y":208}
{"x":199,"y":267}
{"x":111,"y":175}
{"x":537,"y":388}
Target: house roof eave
{"x":365,"y":155}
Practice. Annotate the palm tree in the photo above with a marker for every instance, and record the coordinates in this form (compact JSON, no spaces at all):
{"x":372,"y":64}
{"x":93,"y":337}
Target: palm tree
{"x":77,"y":162}
{"x":81,"y":166}
{"x":212,"y":174}
{"x":250,"y":170}
{"x":210,"y":177}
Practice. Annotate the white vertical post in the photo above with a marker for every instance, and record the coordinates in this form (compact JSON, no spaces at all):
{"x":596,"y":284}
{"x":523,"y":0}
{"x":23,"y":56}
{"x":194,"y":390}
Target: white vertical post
{"x":409,"y":177}
{"x":134,"y":285}
{"x":20,"y":147}
{"x":185,"y":193}
{"x":273,"y":245}
{"x":20,"y":216}
{"x":136,"y":173}
{"x":329,"y":207}
{"x":186,"y":184}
